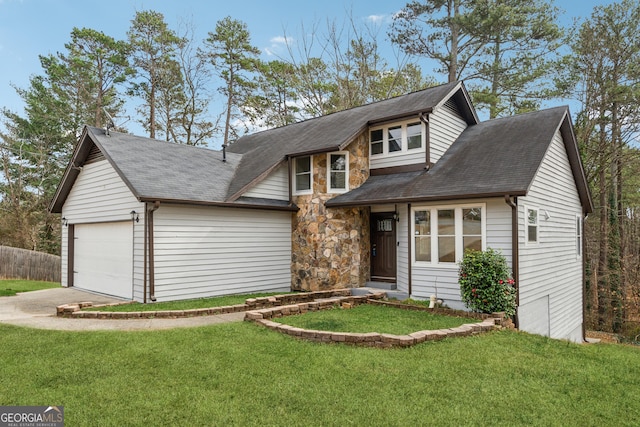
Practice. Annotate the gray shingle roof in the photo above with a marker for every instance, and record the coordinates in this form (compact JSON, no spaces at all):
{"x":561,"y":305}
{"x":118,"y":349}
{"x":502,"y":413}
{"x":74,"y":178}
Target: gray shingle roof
{"x":158,"y":170}
{"x":163,"y":170}
{"x":265,"y":150}
{"x":493,"y":158}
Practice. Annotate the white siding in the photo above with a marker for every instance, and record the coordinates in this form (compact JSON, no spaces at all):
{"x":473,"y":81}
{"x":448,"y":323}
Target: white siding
{"x":552,"y":268}
{"x":210,"y":251}
{"x":410,"y":158}
{"x":402,"y":256}
{"x":442,"y":281}
{"x":275,"y":186}
{"x":445,"y":126}
{"x":99,"y":195}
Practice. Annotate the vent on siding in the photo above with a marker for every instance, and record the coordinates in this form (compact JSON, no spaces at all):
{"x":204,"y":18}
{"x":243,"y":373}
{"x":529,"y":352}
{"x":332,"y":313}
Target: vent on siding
{"x":451,"y":106}
{"x":95,"y":155}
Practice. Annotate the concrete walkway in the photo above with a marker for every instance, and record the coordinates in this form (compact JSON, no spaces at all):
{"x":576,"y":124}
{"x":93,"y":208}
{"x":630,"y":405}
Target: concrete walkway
{"x":37,"y":309}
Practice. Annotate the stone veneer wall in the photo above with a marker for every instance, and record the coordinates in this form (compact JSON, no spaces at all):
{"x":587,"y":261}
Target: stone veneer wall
{"x":330,"y":247}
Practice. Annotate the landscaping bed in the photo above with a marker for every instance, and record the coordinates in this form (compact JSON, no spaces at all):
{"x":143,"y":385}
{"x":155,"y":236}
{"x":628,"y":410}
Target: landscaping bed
{"x":371,"y":339}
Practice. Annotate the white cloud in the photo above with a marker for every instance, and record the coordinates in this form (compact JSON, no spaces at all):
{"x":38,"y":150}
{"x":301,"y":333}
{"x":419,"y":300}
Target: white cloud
{"x":376,"y":19}
{"x":278,"y":45}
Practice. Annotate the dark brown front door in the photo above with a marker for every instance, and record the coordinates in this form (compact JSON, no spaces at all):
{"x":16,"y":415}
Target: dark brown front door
{"x":383,"y":247}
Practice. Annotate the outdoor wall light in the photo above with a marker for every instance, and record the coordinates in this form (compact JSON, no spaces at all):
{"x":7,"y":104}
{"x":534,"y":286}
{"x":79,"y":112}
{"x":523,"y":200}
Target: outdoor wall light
{"x":396,"y":217}
{"x":134,"y":216}
{"x":65,"y":221}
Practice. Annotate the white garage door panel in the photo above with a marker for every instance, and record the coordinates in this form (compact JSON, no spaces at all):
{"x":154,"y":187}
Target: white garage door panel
{"x":103,"y":258}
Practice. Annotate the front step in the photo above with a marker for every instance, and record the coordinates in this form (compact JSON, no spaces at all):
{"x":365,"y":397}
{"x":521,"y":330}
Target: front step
{"x":391,"y":293}
{"x":381,"y":285}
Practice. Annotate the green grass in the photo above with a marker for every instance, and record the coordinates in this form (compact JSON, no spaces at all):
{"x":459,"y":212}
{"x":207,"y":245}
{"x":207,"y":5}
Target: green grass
{"x":372,"y":318}
{"x":240,"y":374}
{"x":11,"y":287}
{"x":186,"y":304}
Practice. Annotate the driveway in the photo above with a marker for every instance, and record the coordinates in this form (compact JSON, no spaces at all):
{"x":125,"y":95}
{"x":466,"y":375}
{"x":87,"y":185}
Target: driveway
{"x":37,"y":309}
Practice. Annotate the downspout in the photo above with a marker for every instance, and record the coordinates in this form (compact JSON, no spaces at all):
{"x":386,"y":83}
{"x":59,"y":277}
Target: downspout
{"x":424,"y":118}
{"x":152,"y":287}
{"x":144,"y":254}
{"x":291,"y":180}
{"x":584,"y":279}
{"x":409,"y":249}
{"x":515,"y":257}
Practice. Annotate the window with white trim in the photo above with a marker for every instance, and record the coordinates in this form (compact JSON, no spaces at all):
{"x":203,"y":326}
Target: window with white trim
{"x":579,"y":236}
{"x":303,"y":175}
{"x":396,"y":138}
{"x":443,"y":233}
{"x":531,"y":229}
{"x":338,"y":173}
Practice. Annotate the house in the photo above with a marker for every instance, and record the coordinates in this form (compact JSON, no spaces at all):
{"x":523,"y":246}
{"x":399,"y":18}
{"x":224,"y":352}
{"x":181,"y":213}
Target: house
{"x":393,"y":191}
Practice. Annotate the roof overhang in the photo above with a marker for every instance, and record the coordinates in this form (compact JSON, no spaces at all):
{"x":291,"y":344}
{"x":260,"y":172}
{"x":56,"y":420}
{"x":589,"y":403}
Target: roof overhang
{"x":423,"y":199}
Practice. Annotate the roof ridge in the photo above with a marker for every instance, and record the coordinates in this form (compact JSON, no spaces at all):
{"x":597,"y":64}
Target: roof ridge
{"x":356,"y":107}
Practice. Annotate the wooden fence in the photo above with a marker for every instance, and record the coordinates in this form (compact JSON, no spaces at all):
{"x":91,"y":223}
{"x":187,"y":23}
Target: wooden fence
{"x":18,"y":263}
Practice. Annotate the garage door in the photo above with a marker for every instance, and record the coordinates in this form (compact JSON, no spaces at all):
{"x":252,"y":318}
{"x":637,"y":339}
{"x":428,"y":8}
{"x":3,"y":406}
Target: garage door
{"x":103,"y":258}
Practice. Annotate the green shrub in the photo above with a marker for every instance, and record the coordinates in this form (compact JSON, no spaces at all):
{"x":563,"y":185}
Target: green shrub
{"x":485,"y":282}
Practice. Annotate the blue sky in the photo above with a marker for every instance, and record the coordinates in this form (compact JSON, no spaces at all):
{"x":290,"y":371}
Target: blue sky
{"x":29,"y":28}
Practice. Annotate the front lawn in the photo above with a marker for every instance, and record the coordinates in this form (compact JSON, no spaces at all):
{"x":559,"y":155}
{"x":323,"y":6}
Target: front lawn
{"x":373,"y":318}
{"x":240,"y":374}
{"x":10,"y":287}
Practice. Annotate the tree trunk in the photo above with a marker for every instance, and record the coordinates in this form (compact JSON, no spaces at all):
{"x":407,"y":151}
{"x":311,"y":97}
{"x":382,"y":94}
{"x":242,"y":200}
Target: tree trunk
{"x":603,"y":237}
{"x":455,"y":34}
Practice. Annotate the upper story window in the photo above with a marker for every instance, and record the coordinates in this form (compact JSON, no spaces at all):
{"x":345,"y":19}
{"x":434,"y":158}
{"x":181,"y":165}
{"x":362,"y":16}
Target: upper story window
{"x":338,"y":173}
{"x":303,"y":175}
{"x":396,"y":138}
{"x":414,"y":135}
{"x":531,"y":225}
{"x":443,"y":233}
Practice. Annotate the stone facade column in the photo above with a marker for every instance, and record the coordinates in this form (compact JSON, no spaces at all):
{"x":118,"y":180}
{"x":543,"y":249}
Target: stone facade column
{"x":330,"y":246}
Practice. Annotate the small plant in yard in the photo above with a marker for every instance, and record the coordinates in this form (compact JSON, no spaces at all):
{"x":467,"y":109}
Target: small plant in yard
{"x":485,"y":282}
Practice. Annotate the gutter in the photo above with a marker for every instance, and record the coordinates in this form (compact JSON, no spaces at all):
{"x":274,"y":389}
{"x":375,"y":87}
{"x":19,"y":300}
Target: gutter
{"x":401,"y":200}
{"x":290,"y":208}
{"x":515,"y":256}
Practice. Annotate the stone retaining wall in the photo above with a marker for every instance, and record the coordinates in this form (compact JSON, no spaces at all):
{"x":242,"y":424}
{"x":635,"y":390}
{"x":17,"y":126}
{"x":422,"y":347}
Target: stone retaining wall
{"x":76,"y":310}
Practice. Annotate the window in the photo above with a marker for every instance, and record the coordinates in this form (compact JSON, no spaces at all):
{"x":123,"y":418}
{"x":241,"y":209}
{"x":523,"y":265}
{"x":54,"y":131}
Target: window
{"x":446,"y":235}
{"x":442,"y":234}
{"x":578,"y":236}
{"x":472,"y":229}
{"x":338,"y":172}
{"x":303,"y":175}
{"x":376,"y":141}
{"x":532,"y":225}
{"x":414,"y":136}
{"x":422,"y":227}
{"x":396,"y":139}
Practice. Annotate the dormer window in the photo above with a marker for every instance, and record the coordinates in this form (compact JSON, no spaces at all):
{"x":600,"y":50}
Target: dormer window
{"x":397,"y":138}
{"x":377,"y":142}
{"x":414,"y":135}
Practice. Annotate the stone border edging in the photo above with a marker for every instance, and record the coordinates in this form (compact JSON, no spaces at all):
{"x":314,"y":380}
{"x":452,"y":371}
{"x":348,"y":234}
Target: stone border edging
{"x":370,"y":339}
{"x":75,"y":310}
